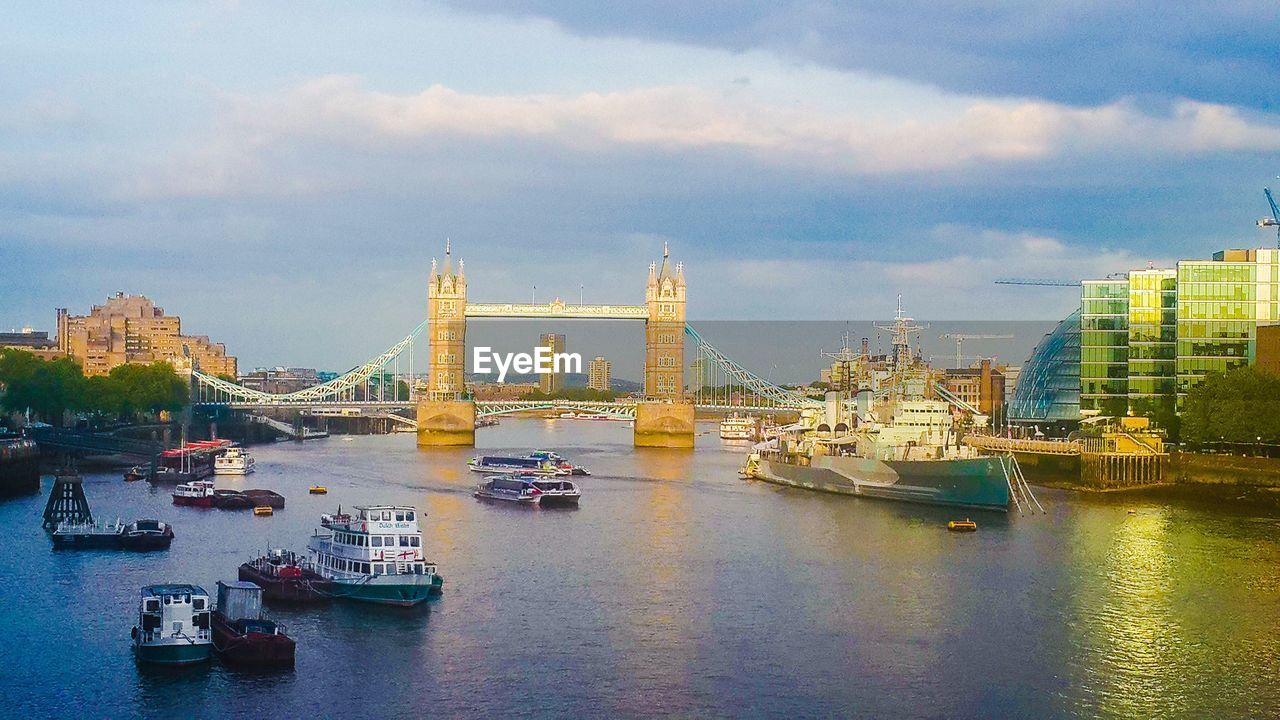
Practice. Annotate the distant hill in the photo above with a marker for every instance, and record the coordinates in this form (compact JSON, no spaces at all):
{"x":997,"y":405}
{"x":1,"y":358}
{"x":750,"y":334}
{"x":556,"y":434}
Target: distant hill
{"x":570,"y":380}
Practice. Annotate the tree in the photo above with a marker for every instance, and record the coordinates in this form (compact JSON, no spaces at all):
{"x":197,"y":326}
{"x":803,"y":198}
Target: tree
{"x":1239,"y":406}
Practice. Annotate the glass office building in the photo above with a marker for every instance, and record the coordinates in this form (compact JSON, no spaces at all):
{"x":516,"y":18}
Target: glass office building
{"x":1048,"y":388}
{"x":1148,"y":339}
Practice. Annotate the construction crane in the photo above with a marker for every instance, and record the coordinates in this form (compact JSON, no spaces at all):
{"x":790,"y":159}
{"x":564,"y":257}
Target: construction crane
{"x":961,"y":337}
{"x":1274,"y":220}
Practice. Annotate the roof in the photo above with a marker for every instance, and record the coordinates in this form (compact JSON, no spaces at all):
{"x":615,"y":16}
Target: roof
{"x":240,"y":585}
{"x":173,"y":589}
{"x":386,"y":507}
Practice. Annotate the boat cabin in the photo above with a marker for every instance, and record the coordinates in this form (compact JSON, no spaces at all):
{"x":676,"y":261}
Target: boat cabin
{"x":174,"y":611}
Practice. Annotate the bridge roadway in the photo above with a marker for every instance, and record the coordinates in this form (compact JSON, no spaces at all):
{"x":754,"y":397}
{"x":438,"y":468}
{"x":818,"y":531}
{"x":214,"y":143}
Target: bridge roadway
{"x":484,"y":408}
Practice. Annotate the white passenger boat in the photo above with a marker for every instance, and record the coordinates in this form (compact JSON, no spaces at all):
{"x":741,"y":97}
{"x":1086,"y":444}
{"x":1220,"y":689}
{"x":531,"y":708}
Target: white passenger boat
{"x":235,"y":461}
{"x":738,"y":427}
{"x":375,"y":556}
{"x":173,"y":625}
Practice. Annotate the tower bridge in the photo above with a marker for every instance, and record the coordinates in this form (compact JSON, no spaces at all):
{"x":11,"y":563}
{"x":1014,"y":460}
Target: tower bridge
{"x":446,"y":413}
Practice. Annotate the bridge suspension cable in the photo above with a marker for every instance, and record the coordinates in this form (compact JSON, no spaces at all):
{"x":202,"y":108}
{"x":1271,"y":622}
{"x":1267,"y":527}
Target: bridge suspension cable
{"x":369,"y":381}
{"x":721,"y":382}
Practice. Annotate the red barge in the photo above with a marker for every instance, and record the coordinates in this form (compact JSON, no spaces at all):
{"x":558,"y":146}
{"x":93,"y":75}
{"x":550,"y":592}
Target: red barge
{"x":242,"y":635}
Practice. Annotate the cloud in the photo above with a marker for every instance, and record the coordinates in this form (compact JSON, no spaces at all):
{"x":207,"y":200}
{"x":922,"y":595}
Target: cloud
{"x":1094,"y":53}
{"x":342,"y":113}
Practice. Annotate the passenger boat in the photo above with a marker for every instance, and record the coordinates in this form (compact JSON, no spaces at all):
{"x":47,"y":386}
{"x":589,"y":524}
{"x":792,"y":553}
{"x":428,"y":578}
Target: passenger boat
{"x":195,"y":494}
{"x":505,"y":465}
{"x":557,"y":492}
{"x":375,"y":556}
{"x":737,"y":427}
{"x":285,"y":576}
{"x":518,"y":489}
{"x":173,"y":625}
{"x":235,"y":461}
{"x":242,"y":635}
{"x":146,"y":535}
{"x":87,"y":535}
{"x":564,"y":466}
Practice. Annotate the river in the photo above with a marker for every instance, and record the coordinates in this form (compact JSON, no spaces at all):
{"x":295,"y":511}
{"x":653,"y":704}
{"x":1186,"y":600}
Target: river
{"x":676,"y":589}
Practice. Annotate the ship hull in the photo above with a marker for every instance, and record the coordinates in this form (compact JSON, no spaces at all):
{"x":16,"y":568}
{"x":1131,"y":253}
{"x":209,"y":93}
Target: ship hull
{"x":402,"y":594}
{"x":173,"y":653}
{"x":977,"y":483}
{"x":306,"y":588}
{"x":254,"y":650}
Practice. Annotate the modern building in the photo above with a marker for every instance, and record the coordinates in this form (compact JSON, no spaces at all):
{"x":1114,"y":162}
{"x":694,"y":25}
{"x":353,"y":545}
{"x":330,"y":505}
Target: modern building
{"x":32,"y":341}
{"x":599,"y":374}
{"x":553,"y":381}
{"x":981,"y":386}
{"x":131,"y":329}
{"x":1048,"y":390}
{"x":1147,"y":339}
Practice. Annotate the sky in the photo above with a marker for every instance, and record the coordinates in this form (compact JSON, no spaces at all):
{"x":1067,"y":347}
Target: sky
{"x":281,"y":174}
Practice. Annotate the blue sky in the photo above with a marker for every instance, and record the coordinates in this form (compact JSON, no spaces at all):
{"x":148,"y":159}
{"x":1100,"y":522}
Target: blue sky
{"x":281,"y":174}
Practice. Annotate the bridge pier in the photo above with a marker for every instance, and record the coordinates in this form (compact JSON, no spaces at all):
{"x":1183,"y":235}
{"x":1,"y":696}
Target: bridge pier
{"x":446,"y":423}
{"x":664,"y":425}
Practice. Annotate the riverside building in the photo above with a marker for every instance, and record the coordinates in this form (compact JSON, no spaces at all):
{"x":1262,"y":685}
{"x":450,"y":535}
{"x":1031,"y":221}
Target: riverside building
{"x":1147,"y":339}
{"x":598,"y":374}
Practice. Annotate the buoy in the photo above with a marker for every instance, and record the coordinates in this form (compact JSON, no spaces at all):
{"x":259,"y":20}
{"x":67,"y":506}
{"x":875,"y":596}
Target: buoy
{"x":965,"y":525}
{"x":263,"y":510}
{"x":318,"y":490}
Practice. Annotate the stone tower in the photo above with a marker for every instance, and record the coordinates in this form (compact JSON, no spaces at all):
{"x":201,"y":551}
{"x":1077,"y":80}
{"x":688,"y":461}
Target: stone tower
{"x":664,"y":331}
{"x":446,"y":308}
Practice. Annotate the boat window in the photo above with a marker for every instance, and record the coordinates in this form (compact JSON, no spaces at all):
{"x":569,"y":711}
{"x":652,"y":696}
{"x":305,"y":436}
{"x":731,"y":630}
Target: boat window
{"x":413,"y":541}
{"x":377,"y":568}
{"x":151,"y":605}
{"x":386,"y":514}
{"x":198,"y":604}
{"x":404,"y":541}
{"x":377,"y":540}
{"x":391,"y":569}
{"x":168,"y":600}
{"x":364,"y":568}
{"x":400,"y":516}
{"x":409,"y":516}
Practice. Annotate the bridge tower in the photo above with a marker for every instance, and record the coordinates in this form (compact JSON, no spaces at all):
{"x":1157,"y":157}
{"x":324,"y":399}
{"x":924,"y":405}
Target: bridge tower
{"x":445,"y":415}
{"x":664,"y":419}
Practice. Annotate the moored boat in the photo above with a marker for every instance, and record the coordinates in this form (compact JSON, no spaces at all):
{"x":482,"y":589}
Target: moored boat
{"x":517,"y":489}
{"x":286,"y":576}
{"x":87,"y":535}
{"x":242,"y":635}
{"x":173,"y":625}
{"x":557,"y":492}
{"x":137,"y":472}
{"x":265,"y":498}
{"x":232,"y":500}
{"x":375,"y":556}
{"x":194,"y":494}
{"x":234,"y":461}
{"x":146,"y":535}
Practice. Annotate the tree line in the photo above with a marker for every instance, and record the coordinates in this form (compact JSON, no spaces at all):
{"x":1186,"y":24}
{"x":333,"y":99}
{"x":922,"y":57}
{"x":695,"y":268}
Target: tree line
{"x":52,"y":388}
{"x":1239,"y":406}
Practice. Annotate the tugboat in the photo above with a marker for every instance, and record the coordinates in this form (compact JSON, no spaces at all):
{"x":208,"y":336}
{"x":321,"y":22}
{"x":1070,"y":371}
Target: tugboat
{"x":242,"y":636}
{"x":194,"y":494}
{"x":287,"y":577}
{"x":518,"y":489}
{"x":553,"y":493}
{"x":235,"y":461}
{"x":173,"y":625}
{"x":146,"y":535}
{"x":375,"y":556}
